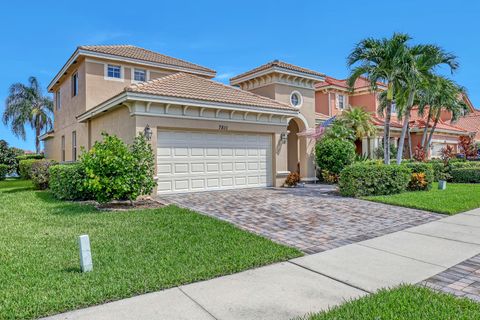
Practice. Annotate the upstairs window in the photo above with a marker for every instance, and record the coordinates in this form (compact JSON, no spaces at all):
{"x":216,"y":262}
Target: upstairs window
{"x":140,"y":75}
{"x":57,"y":100}
{"x":74,"y":146}
{"x":75,"y":84}
{"x":341,"y":101}
{"x":114,"y":71}
{"x":63,"y":148}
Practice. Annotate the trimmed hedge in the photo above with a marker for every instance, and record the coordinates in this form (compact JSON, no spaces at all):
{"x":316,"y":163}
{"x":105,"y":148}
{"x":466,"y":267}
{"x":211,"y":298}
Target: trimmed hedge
{"x":421,"y":167}
{"x":466,"y":175}
{"x":334,"y":154}
{"x":4,"y":170}
{"x":368,"y":180}
{"x":33,"y":156}
{"x":25,"y":168}
{"x":40,"y":173}
{"x":67,"y":182}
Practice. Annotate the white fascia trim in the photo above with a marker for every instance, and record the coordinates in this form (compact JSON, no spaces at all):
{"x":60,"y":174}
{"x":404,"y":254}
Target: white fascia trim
{"x":445,"y":141}
{"x":332,"y":87}
{"x":117,"y":58}
{"x":277,"y":70}
{"x":105,"y":106}
{"x":458,"y":133}
{"x":179,"y":116}
{"x":170,"y":100}
{"x":207,"y":104}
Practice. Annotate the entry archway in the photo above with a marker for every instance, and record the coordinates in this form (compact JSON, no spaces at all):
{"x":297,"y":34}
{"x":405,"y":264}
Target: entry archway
{"x":296,"y":147}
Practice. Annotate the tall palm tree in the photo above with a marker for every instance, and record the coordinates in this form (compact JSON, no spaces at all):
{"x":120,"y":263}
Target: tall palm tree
{"x":424,"y":61}
{"x":359,"y":120}
{"x":381,"y":60}
{"x":442,"y":94}
{"x":26,"y":105}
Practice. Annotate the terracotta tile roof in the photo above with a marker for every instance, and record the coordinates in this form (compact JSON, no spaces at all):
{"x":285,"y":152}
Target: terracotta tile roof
{"x":133,"y":52}
{"x":279,"y":64}
{"x":471,"y":123}
{"x":360,"y":83}
{"x":378,"y":121}
{"x":188,"y":86}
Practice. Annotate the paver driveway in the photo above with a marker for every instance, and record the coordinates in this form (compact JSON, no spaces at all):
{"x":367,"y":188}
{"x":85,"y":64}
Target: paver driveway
{"x":312,"y":219}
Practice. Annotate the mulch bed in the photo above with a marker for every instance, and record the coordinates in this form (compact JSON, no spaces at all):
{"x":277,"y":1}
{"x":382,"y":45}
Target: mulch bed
{"x":146,"y":203}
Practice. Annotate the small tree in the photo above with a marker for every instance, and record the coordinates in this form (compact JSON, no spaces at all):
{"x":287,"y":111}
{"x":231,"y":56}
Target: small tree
{"x":116,"y":172}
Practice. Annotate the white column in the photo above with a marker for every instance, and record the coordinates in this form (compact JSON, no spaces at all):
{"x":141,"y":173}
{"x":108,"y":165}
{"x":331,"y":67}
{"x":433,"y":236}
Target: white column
{"x":365,"y":150}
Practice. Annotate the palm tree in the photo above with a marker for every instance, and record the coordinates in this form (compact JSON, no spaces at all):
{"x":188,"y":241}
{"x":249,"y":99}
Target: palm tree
{"x":359,"y":120}
{"x":424,"y":60}
{"x":384,"y":61}
{"x":441,"y":95}
{"x":26,"y":104}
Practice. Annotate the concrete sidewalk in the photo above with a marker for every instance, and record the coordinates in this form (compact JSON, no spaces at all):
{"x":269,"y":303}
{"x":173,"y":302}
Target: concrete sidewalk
{"x":311,"y":283}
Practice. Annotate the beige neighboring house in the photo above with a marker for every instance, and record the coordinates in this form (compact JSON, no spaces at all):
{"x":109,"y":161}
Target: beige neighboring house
{"x":206,"y":135}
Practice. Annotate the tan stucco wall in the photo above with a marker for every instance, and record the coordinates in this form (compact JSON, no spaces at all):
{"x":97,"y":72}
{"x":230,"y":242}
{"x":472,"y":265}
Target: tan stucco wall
{"x":266,"y":91}
{"x":117,"y":122}
{"x":307,"y":110}
{"x":100,"y":89}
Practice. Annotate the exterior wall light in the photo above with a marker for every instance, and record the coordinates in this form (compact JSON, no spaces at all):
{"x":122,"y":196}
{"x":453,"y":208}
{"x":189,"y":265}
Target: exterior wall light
{"x":147,"y":132}
{"x":284,"y":137}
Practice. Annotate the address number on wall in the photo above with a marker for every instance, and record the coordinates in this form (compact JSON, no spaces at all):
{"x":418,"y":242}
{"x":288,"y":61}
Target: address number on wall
{"x":222,"y":127}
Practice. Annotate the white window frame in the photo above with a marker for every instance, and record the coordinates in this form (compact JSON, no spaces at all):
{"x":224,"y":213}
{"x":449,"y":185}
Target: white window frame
{"x":74,"y":146}
{"x":122,"y":72}
{"x":147,"y":74}
{"x":300,"y":97}
{"x":338,"y":101}
{"x":62,"y":148}
{"x":58,"y":100}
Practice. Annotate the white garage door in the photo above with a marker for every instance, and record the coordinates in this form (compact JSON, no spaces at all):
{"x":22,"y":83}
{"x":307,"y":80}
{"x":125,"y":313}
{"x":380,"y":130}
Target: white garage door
{"x":199,"y":161}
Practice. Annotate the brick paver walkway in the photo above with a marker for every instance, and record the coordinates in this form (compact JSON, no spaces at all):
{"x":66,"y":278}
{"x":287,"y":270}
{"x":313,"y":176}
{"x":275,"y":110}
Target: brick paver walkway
{"x":312,"y":219}
{"x":462,"y":280}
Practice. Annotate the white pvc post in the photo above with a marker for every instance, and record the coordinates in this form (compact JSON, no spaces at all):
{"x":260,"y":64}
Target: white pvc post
{"x":86,"y":263}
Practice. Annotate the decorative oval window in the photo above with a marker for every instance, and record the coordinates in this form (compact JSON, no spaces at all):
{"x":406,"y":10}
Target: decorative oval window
{"x":296,"y":99}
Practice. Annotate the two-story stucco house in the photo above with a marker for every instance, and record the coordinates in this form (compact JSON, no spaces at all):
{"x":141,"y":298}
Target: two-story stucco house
{"x":206,"y":135}
{"x":333,"y":96}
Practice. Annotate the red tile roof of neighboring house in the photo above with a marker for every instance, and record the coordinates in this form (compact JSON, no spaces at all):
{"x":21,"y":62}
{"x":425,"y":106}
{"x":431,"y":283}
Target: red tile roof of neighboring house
{"x":188,"y":86}
{"x":471,"y":123}
{"x":378,"y":121}
{"x":360,"y":83}
{"x":279,"y":64}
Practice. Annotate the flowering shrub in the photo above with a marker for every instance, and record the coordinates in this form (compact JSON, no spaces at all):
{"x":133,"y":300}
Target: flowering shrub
{"x":419,"y":153}
{"x":292,"y":179}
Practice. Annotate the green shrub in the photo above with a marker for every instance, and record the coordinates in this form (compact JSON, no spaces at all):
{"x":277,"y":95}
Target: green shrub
{"x":32,"y":156}
{"x":4,"y":170}
{"x":334,"y":154}
{"x":420,"y":167}
{"x":25,"y":168}
{"x":116,"y":172}
{"x":40,"y":173}
{"x":466,"y":175}
{"x":369,"y":179}
{"x":67,"y":182}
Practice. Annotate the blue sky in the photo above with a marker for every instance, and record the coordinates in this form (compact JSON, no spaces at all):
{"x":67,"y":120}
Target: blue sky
{"x":230,"y":37}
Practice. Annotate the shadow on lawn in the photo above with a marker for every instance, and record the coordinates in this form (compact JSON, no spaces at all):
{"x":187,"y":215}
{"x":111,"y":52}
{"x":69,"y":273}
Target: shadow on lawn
{"x":15,"y":190}
{"x":59,"y":207}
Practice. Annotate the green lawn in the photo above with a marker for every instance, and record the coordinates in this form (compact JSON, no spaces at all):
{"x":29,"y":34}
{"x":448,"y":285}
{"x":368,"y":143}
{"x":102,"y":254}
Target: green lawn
{"x":404,"y":303}
{"x":456,"y":198}
{"x":133,"y":252}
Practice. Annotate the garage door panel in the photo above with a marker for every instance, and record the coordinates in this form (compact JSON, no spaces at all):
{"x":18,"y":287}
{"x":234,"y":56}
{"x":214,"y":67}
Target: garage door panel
{"x":184,"y":161}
